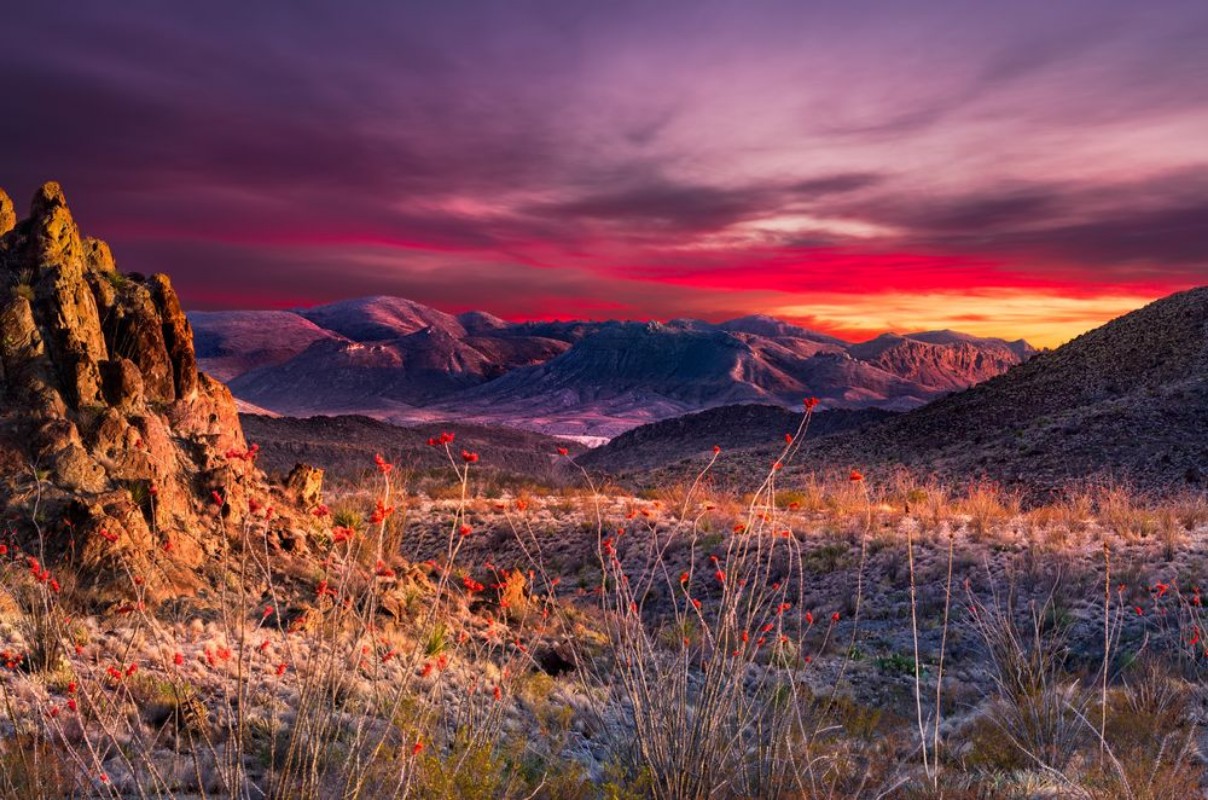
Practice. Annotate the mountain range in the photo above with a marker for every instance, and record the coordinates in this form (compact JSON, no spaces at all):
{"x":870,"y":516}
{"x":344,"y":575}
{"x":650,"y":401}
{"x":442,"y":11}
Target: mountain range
{"x":401,"y":361}
{"x":1127,"y":401}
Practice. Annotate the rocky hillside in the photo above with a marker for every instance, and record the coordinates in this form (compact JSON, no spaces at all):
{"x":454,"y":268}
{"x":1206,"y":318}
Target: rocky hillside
{"x":344,"y":447}
{"x":111,"y":440}
{"x":397,"y":360}
{"x":691,"y":438}
{"x":1128,"y":400}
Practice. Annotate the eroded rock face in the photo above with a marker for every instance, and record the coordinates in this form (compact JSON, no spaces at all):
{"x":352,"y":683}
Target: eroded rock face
{"x":305,"y":484}
{"x":131,"y":448}
{"x":8,"y":215}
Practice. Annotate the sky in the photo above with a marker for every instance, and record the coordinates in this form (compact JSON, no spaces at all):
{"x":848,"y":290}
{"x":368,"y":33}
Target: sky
{"x":1022,"y":169}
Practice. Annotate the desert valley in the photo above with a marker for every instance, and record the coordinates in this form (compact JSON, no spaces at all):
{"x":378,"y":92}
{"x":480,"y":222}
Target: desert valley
{"x":564,"y":400}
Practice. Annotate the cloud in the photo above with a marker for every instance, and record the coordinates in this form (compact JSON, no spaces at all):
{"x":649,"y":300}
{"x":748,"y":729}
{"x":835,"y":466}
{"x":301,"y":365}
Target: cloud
{"x":839,"y":183}
{"x":1096,"y":231}
{"x":641,"y":158}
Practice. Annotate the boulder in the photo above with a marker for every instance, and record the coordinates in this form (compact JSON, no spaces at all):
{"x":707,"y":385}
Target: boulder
{"x":122,"y":384}
{"x":305,"y":485}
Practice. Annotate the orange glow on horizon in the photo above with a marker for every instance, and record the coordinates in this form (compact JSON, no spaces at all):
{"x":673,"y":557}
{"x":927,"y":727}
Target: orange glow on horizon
{"x":1044,"y":320}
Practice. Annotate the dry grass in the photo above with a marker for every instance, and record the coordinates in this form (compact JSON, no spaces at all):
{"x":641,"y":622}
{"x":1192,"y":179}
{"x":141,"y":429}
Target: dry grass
{"x":704,"y":660}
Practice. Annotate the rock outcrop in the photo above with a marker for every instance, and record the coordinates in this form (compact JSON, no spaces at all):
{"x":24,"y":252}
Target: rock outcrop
{"x":111,"y":440}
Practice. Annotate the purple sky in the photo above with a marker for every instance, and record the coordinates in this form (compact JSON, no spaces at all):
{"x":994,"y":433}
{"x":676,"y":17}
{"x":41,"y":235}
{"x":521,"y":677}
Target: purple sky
{"x":1022,"y":168}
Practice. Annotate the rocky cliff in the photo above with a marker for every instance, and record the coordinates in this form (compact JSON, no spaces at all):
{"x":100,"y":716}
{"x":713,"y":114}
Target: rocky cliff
{"x":111,"y":440}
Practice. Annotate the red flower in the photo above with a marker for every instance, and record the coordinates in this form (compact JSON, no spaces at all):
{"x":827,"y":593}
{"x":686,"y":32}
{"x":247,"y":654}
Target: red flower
{"x":716,"y":449}
{"x":281,"y":669}
{"x":381,"y":513}
{"x":684,"y":577}
{"x":445,"y":438}
{"x":321,"y":511}
{"x":217,"y":498}
{"x":788,"y":438}
{"x":856,"y":476}
{"x":71,"y":704}
{"x":468,"y":457}
{"x":417,"y":748}
{"x":810,"y":403}
{"x":720,"y":576}
{"x":465,"y":530}
{"x":835,"y":617}
{"x":383,"y":466}
{"x":776,"y":465}
{"x":562,"y":451}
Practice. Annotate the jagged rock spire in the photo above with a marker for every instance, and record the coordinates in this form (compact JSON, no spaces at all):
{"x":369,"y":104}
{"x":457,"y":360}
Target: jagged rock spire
{"x":102,"y":397}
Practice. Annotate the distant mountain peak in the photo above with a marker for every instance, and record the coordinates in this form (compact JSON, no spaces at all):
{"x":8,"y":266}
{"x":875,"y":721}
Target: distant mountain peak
{"x":380,"y":317}
{"x":481,"y":322}
{"x":573,"y":377}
